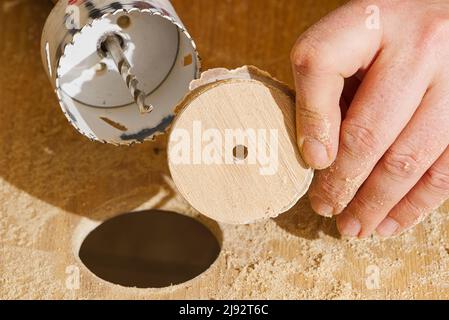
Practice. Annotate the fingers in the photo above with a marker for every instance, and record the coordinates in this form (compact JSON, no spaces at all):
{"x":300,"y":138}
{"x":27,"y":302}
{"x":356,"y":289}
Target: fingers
{"x":400,"y":168}
{"x":385,"y":102}
{"x":430,"y":192}
{"x":334,"y":49}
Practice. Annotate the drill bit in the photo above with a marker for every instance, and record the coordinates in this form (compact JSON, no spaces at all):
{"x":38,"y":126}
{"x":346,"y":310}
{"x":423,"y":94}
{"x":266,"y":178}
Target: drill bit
{"x":114,"y":49}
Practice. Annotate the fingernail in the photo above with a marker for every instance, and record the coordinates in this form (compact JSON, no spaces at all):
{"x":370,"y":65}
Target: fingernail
{"x":387,"y":228}
{"x":349,"y":226}
{"x":315,"y":153}
{"x":321,"y":208}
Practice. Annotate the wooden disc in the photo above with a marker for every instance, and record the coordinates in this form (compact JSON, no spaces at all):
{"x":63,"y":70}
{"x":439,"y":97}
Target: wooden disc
{"x":232,"y":149}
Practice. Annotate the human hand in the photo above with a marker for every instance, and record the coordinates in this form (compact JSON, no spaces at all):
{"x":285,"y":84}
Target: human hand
{"x":373,"y":111}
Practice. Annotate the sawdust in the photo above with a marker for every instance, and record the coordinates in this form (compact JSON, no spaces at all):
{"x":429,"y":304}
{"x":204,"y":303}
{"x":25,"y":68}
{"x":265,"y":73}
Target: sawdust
{"x":52,"y":180}
{"x":19,"y":280}
{"x":305,"y":259}
{"x":22,"y":223}
{"x":298,"y":255}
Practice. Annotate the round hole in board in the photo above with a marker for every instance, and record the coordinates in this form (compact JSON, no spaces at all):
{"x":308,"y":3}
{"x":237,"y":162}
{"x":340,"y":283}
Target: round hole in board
{"x":149,"y":249}
{"x":101,"y":45}
{"x":124,"y":22}
{"x":240,"y":152}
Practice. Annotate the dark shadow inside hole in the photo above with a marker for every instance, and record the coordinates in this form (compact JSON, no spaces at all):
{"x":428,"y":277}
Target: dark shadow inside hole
{"x":240,"y":152}
{"x":149,"y":249}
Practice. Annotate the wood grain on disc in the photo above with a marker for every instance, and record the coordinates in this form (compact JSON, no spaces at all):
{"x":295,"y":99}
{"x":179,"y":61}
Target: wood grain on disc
{"x":232,"y":149}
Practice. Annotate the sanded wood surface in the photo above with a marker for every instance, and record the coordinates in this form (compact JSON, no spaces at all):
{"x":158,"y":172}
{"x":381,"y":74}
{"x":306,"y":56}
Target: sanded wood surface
{"x":55,"y":185}
{"x":250,"y":161}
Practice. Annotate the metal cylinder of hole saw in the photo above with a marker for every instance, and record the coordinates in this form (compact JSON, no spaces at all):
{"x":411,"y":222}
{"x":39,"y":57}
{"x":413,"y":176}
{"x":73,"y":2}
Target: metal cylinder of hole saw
{"x":92,"y":93}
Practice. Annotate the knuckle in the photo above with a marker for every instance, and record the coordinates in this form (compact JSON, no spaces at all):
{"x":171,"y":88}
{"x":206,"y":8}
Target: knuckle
{"x":310,"y":56}
{"x":434,"y":33}
{"x":414,"y":212}
{"x":358,"y":140}
{"x":401,"y":165}
{"x":412,"y":215}
{"x":309,"y":115}
{"x":366,"y":207}
{"x":333,"y":193}
{"x":437,"y":27}
{"x":438,"y":179}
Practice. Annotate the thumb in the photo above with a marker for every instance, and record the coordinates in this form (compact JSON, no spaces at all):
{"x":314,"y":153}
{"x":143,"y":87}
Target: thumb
{"x":322,"y":58}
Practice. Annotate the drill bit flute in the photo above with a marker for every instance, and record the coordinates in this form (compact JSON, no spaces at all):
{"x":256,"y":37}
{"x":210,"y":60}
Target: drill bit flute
{"x":114,"y":49}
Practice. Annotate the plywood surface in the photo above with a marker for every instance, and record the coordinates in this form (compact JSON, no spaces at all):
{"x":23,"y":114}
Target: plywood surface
{"x":55,"y":185}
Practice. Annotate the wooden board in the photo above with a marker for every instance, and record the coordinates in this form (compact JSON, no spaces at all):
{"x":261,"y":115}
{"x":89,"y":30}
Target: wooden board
{"x":55,"y":185}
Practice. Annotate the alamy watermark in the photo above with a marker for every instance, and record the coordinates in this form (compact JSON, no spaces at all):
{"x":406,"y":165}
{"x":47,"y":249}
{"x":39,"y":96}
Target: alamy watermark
{"x":372,"y":22}
{"x":72,"y":281}
{"x":372,"y":280}
{"x":232,"y":147}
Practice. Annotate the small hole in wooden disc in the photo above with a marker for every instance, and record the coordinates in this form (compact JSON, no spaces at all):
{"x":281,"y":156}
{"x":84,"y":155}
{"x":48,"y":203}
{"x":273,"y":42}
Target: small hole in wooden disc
{"x":240,"y":152}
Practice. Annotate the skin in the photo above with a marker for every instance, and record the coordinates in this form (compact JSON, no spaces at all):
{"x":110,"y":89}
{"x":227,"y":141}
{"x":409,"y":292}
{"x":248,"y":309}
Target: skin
{"x":373,"y":113}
